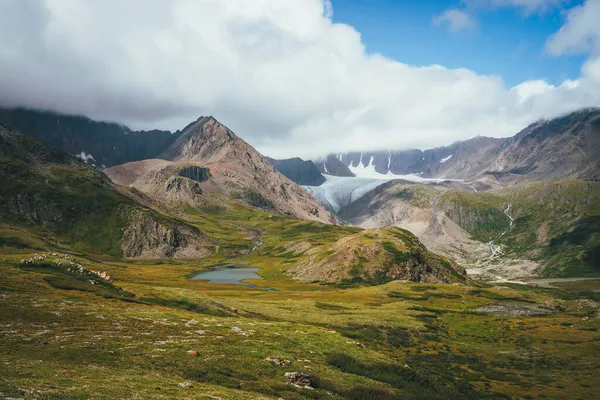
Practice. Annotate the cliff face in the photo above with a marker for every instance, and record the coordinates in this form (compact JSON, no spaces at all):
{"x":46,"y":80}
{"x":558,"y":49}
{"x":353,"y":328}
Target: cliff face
{"x":149,"y":238}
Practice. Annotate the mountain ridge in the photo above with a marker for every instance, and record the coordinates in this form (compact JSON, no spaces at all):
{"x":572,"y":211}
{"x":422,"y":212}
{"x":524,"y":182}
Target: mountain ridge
{"x":571,"y":141}
{"x":236,"y":170}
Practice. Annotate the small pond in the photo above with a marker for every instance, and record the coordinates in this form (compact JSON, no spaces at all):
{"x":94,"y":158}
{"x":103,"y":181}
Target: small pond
{"x":228,"y":274}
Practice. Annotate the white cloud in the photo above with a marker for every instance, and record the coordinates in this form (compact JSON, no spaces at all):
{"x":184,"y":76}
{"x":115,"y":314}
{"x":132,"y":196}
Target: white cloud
{"x":278,"y":72}
{"x":528,"y":6}
{"x":456,"y":20}
{"x":581,"y":32}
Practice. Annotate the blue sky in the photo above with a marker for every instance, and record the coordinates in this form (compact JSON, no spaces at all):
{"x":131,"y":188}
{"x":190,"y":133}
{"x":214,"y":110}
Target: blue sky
{"x":505,"y":41}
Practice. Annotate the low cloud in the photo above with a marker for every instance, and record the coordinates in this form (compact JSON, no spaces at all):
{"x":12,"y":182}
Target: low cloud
{"x":527,"y":6}
{"x":456,"y":20}
{"x":278,"y":72}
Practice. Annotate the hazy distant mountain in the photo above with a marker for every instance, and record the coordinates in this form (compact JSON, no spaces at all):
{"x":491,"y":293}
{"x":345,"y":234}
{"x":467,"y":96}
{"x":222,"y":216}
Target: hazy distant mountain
{"x":564,"y":147}
{"x":332,"y":165}
{"x":300,"y":171}
{"x":99,"y":143}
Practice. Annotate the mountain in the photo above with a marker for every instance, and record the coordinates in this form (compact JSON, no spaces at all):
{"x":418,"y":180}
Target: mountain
{"x":564,"y":147}
{"x":549,"y":228}
{"x":99,"y":143}
{"x":300,"y":171}
{"x":459,"y":160}
{"x":232,"y":167}
{"x":333,"y":165}
{"x":53,"y":198}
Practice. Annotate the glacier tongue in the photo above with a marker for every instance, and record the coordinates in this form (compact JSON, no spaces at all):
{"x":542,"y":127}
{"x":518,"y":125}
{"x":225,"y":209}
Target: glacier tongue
{"x":337,"y":192}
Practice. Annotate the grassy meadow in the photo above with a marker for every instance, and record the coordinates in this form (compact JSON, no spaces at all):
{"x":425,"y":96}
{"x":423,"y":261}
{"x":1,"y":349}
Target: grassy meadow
{"x":62,"y":337}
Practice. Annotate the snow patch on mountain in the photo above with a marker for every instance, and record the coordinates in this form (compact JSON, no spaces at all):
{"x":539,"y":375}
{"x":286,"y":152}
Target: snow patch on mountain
{"x":85,"y":157}
{"x":443,"y":160}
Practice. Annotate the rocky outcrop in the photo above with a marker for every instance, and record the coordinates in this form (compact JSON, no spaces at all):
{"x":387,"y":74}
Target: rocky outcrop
{"x":377,"y":256}
{"x":147,"y":237}
{"x":195,"y":173}
{"x":170,"y":188}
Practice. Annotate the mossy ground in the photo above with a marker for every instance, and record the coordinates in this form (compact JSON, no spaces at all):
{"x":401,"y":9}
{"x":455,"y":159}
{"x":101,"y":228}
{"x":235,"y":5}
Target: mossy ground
{"x":398,"y":340}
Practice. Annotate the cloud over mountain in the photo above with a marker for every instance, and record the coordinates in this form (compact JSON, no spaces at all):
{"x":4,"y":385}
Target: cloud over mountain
{"x":278,"y":72}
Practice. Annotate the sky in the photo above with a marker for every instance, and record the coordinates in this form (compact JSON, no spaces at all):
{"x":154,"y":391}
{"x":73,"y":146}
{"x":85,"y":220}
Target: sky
{"x":306,"y":77}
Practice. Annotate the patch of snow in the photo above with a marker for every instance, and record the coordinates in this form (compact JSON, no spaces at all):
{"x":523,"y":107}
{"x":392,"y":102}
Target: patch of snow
{"x":443,"y":160}
{"x":369,"y":172}
{"x":85,"y":157}
{"x":365,"y":171}
{"x":325,"y":167}
{"x":389,"y":161}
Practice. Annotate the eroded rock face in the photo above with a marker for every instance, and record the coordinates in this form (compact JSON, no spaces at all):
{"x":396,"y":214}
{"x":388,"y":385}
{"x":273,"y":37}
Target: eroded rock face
{"x":168,"y":187}
{"x":147,"y":237}
{"x":195,"y":173}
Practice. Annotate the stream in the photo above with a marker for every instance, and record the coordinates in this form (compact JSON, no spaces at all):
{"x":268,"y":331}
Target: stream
{"x":496,"y":250}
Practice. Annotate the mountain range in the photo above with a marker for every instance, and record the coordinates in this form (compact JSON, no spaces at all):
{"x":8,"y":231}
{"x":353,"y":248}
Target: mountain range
{"x":466,"y":201}
{"x":564,"y":147}
{"x":198,"y":267}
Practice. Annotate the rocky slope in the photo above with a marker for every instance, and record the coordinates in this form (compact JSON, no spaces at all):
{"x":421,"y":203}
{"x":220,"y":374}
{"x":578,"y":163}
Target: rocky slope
{"x":377,"y":256}
{"x":566,"y":147}
{"x":235,"y":169}
{"x":99,"y":143}
{"x":299,"y":171}
{"x":65,"y":202}
{"x":546,"y":228}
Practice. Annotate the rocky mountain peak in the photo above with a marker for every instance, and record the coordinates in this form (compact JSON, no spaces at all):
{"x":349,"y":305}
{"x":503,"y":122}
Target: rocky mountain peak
{"x":205,"y":140}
